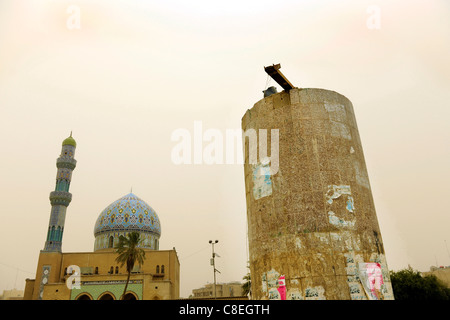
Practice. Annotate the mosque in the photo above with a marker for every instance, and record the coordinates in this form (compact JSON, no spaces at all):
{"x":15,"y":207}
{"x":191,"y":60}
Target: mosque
{"x":96,"y":275}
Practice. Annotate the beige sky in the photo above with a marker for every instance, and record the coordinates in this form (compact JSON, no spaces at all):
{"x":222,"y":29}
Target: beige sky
{"x":138,"y":70}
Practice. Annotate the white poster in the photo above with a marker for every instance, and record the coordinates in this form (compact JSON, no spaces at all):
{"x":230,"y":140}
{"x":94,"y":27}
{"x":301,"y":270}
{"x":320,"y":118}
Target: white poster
{"x":371,"y":278}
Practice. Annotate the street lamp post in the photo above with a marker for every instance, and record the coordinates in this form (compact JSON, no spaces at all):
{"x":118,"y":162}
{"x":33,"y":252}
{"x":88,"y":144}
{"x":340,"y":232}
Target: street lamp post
{"x":214,"y":264}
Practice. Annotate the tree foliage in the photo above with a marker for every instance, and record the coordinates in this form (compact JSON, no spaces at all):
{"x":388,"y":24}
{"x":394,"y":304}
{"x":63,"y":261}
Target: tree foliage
{"x":409,"y":284}
{"x":246,"y":286}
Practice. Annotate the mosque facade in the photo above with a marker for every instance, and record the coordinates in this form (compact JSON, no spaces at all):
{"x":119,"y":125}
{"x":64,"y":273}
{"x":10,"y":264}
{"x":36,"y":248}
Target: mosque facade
{"x":96,"y":275}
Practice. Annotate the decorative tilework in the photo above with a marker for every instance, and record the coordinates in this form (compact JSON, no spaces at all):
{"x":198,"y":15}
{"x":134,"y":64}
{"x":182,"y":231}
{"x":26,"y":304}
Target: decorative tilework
{"x":127,"y":214}
{"x":96,"y":289}
{"x":44,"y":280}
{"x":149,"y":240}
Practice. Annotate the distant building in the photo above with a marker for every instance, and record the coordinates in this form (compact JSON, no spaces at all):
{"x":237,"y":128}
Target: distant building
{"x":223,"y":290}
{"x":442,"y":273}
{"x":12,"y":294}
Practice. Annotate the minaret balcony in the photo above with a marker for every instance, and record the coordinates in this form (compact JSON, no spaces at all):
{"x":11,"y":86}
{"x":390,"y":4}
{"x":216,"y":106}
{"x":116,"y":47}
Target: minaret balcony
{"x":68,"y":163}
{"x":60,"y":198}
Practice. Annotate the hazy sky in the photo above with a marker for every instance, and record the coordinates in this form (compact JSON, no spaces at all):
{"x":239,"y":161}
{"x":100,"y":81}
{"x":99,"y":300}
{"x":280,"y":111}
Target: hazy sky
{"x":135,"y":71}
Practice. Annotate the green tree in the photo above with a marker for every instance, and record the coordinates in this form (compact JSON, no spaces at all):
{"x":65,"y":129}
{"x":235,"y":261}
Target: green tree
{"x":408,"y":284}
{"x":129,"y":253}
{"x":246,"y":286}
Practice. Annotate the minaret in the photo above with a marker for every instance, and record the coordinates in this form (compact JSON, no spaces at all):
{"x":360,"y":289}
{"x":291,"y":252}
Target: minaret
{"x":61,"y":197}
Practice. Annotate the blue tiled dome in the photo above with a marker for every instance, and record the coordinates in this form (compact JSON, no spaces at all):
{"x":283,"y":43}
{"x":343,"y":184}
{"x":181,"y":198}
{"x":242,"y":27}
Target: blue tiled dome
{"x":127,"y":214}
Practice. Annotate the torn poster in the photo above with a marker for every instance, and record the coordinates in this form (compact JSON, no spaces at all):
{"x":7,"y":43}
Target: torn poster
{"x":262,"y":184}
{"x":371,"y":279}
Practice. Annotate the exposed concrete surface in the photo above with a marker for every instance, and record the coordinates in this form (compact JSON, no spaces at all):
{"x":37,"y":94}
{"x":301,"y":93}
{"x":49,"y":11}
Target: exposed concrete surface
{"x":314,"y":220}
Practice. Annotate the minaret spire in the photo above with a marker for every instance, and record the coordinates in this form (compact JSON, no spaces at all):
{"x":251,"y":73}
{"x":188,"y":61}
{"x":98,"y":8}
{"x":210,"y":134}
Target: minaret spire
{"x":61,"y":197}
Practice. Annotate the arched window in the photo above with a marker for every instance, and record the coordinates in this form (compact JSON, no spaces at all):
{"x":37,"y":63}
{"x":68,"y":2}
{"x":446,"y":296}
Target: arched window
{"x":107,"y":296}
{"x":129,"y":296}
{"x":117,"y":270}
{"x":162,"y":269}
{"x":49,"y":233}
{"x":84,"y":296}
{"x":111,"y":242}
{"x":57,"y":234}
{"x":111,"y":271}
{"x":157,"y":269}
{"x":96,"y":270}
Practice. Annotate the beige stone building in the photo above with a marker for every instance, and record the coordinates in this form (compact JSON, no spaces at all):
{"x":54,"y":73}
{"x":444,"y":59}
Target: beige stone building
{"x":12,"y":294}
{"x":442,"y":273}
{"x":102,"y":278}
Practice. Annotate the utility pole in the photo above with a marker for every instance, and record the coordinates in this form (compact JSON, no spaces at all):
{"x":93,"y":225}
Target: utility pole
{"x":213,"y":263}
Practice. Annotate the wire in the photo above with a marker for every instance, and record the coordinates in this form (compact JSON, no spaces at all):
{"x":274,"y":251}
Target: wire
{"x":182,"y":258}
{"x":267,"y":81}
{"x":16,"y":268}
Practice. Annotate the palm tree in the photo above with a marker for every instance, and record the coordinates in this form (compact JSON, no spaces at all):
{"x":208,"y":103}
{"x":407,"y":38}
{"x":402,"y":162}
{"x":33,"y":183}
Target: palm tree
{"x":246,"y":286}
{"x":129,"y":253}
